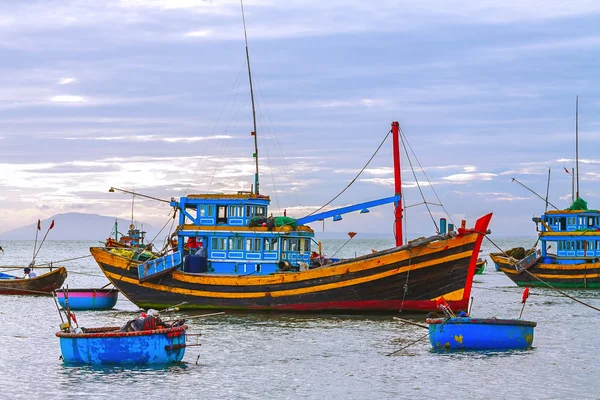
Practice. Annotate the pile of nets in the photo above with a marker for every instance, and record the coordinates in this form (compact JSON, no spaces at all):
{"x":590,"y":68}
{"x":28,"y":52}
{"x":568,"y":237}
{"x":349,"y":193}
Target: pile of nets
{"x":519,"y":253}
{"x":272,"y":222}
{"x":579,"y":204}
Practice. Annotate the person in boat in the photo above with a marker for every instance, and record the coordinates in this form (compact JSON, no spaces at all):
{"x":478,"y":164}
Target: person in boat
{"x":192,"y":245}
{"x":1,"y":249}
{"x":201,"y":251}
{"x":148,"y":321}
{"x":29,"y":274}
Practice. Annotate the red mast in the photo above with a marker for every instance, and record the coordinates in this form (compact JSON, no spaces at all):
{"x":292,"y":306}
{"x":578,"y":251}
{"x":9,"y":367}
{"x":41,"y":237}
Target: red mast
{"x":397,"y":183}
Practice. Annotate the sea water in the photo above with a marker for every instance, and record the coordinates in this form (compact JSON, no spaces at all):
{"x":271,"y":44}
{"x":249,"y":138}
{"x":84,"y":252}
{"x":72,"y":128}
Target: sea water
{"x":283,"y":356}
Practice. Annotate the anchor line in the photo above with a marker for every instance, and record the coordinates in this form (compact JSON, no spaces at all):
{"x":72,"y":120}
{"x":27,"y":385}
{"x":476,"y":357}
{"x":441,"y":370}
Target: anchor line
{"x":543,"y":281}
{"x":418,"y":340}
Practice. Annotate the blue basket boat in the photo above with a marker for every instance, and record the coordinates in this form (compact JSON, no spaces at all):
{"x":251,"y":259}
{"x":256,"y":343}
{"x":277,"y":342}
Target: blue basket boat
{"x":109,"y":346}
{"x":465,"y":333}
{"x":88,"y":299}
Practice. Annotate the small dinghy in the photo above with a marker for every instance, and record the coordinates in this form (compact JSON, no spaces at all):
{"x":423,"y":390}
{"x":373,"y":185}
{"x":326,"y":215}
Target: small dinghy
{"x":462,"y":332}
{"x":466,"y":333}
{"x":110,"y":346}
{"x":145,"y":340}
{"x":88,"y":299}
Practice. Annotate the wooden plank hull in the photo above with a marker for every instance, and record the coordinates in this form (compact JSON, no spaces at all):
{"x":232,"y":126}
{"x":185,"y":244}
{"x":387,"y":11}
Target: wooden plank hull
{"x":40,"y":285}
{"x":386,"y":281}
{"x":582,"y":276}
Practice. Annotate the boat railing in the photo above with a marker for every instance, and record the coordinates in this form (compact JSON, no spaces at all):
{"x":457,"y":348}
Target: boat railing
{"x":529,"y":260}
{"x":159,"y":266}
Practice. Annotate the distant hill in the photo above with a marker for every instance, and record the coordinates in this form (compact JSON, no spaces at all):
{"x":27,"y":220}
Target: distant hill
{"x":74,"y":226}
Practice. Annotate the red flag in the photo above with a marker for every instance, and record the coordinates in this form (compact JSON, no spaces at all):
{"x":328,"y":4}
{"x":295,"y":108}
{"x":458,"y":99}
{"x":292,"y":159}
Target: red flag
{"x":441,"y":302}
{"x":567,"y":171}
{"x":39,"y":227}
{"x":51,"y":225}
{"x":525,"y":295}
{"x":351,"y":234}
{"x":73,"y":318}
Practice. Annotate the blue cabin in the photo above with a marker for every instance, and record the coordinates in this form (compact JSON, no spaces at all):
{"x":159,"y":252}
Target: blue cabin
{"x":238,"y":235}
{"x":569,"y":236}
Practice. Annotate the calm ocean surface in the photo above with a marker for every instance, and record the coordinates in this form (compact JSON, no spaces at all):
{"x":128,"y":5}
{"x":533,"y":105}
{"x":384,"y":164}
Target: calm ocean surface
{"x":246,"y":356}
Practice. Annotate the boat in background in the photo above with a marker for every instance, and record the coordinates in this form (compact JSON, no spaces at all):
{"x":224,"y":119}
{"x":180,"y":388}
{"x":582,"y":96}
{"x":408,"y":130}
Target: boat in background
{"x":88,"y":299}
{"x":574,"y":235}
{"x":466,"y":333}
{"x":480,"y":266}
{"x":40,"y":285}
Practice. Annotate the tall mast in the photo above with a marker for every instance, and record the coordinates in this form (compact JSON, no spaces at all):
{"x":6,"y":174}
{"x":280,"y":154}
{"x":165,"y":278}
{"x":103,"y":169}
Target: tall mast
{"x":397,"y":183}
{"x":577,"y":143}
{"x":256,"y":191}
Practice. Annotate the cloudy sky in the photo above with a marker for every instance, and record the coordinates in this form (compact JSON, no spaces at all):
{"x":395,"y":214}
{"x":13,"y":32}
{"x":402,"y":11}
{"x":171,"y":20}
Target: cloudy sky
{"x":153,"y":96}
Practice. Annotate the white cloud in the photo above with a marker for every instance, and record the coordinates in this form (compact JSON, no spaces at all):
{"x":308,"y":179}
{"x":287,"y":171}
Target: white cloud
{"x":482,"y":176}
{"x":67,"y":99}
{"x":199,"y":33}
{"x":66,"y":81}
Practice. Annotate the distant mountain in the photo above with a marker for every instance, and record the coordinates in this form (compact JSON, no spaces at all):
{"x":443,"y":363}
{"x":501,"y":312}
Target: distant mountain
{"x":74,"y":226}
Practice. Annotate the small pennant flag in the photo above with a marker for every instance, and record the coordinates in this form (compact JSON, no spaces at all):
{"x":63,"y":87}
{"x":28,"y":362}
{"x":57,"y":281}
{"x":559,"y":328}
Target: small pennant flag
{"x":525,"y":295}
{"x":351,"y":234}
{"x":441,"y":302}
{"x":51,"y":225}
{"x":567,"y":171}
{"x":73,"y":317}
{"x":39,"y":226}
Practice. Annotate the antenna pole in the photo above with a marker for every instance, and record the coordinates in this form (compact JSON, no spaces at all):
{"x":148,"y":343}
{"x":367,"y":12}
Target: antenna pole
{"x":572,"y":184}
{"x":547,"y":190}
{"x":577,"y":143}
{"x":397,"y":183}
{"x":256,"y":191}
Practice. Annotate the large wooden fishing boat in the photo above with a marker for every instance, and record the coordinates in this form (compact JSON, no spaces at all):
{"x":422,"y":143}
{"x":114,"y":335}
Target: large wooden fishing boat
{"x":250,"y":261}
{"x":42,"y":284}
{"x":569,"y":254}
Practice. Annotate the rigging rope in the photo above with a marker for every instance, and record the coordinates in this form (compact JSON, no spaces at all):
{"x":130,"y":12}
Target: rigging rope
{"x":355,"y":178}
{"x":418,"y":184}
{"x":426,"y":177}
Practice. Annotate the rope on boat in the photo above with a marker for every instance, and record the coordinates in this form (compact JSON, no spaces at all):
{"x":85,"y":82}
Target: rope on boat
{"x":61,"y":261}
{"x":543,"y":281}
{"x":355,"y":178}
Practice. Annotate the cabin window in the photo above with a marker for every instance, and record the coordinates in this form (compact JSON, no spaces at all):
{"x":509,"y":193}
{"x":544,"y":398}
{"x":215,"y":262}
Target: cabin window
{"x":590,"y":245}
{"x":271,"y":244}
{"x":285,"y":244}
{"x":222,"y":214}
{"x":249,"y":211}
{"x":260,"y":211}
{"x":219,"y":243}
{"x":591,"y":221}
{"x":236,"y":243}
{"x":253,"y":244}
{"x":236,"y":211}
{"x":293,"y":244}
{"x":206,"y":210}
{"x":303,"y":245}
